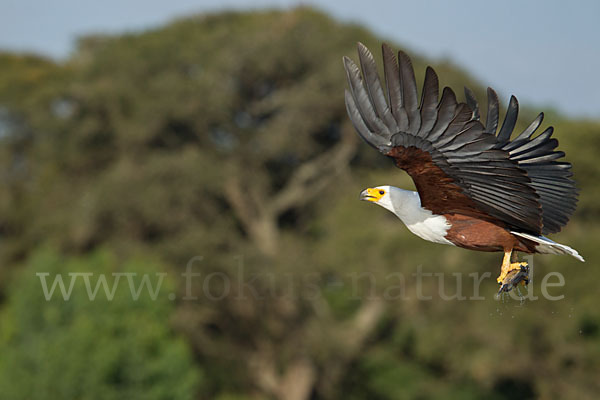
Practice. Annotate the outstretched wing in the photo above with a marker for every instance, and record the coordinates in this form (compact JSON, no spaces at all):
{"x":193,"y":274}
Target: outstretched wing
{"x":456,"y":164}
{"x":550,"y":179}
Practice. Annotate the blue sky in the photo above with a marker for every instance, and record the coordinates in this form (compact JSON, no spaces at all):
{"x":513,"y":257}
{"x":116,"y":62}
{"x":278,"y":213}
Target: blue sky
{"x":547,"y":53}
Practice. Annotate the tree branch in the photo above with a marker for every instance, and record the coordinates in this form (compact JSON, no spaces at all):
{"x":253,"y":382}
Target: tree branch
{"x":313,"y":176}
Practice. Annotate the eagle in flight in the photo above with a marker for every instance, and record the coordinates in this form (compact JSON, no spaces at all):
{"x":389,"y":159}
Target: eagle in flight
{"x":476,"y":188}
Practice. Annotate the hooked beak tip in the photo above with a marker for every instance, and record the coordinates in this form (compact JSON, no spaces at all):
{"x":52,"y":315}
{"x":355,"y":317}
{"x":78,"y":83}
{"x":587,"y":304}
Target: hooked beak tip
{"x":365,"y":196}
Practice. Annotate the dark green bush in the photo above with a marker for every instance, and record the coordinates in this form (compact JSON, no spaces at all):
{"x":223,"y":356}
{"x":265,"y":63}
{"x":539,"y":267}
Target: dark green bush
{"x":99,"y":349}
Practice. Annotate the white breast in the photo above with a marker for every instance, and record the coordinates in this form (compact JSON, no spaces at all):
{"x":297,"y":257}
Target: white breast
{"x":429,"y":227}
{"x":423,"y":223}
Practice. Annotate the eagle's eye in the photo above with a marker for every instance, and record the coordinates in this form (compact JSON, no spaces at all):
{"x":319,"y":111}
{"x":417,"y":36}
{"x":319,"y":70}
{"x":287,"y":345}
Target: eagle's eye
{"x":372,"y":194}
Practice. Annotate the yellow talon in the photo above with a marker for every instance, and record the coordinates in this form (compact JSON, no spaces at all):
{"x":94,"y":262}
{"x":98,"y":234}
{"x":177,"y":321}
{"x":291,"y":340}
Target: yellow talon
{"x":508,"y":266}
{"x":516,"y":266}
{"x":512,"y":273}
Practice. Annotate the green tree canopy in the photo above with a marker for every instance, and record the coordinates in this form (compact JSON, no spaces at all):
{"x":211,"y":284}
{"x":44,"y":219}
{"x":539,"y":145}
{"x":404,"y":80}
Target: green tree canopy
{"x":105,"y":348}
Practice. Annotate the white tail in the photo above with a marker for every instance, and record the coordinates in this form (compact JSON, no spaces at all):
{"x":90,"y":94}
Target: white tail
{"x":547,"y":246}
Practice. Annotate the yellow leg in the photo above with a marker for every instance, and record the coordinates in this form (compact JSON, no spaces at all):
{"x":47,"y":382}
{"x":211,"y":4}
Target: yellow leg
{"x":505,"y":266}
{"x":510,"y":263}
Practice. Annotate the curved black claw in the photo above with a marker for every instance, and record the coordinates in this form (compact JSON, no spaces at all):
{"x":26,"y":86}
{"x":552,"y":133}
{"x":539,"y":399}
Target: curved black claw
{"x":513,"y":278}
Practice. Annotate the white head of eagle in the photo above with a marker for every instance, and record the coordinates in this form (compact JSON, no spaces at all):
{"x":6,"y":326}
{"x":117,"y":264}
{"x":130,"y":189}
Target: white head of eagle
{"x":406,"y":205}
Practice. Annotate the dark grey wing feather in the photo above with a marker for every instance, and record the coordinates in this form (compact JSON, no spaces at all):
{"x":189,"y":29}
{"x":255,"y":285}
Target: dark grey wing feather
{"x":409,"y":92}
{"x":540,"y":145}
{"x":540,"y":159}
{"x":374,"y":88}
{"x":429,"y":101}
{"x":394,"y":87}
{"x":493,"y":113}
{"x":456,"y":126}
{"x":446,"y":111}
{"x":526,"y":134}
{"x":362,"y":100}
{"x":472,"y":102}
{"x":510,"y":120}
{"x":550,"y":179}
{"x":372,"y":138}
{"x":470,"y":136}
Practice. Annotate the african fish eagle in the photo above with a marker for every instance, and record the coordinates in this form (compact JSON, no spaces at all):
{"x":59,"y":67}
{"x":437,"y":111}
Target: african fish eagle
{"x":476,"y":188}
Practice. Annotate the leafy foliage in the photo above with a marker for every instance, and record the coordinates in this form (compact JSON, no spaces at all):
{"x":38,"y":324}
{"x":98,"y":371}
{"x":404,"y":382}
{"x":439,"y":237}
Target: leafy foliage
{"x":103,"y":348}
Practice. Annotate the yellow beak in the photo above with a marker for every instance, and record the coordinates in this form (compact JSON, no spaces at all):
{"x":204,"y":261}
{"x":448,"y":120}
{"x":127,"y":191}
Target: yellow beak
{"x":371,"y":194}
